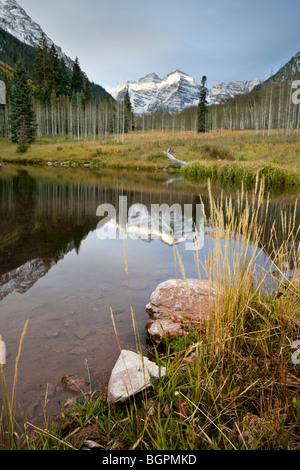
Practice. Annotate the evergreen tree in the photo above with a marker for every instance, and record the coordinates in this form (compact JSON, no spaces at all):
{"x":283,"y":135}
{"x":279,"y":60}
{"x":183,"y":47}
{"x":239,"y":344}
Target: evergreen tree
{"x":128,"y":113}
{"x":202,"y":107}
{"x":77,"y":81}
{"x":22,"y":116}
{"x":87,"y":91}
{"x":64,"y":80}
{"x":59,"y":76}
{"x":50,"y":73}
{"x":41,"y":71}
{"x":53,"y":77}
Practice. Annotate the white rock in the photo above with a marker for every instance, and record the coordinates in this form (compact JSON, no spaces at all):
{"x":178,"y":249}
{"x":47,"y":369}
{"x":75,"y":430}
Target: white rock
{"x":131,"y":374}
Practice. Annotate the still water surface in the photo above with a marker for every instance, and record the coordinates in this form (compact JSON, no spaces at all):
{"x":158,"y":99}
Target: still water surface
{"x":57,"y":273}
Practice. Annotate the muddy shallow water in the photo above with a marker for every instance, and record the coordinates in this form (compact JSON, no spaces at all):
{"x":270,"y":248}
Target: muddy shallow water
{"x":57,"y":273}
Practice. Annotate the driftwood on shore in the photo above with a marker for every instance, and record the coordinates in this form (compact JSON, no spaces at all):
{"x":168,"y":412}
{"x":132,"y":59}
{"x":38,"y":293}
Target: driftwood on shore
{"x":174,"y":159}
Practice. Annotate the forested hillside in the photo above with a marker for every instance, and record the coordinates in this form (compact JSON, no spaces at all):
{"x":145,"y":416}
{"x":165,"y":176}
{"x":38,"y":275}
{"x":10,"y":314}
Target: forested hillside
{"x":12,"y":50}
{"x":289,"y":72}
{"x":65,"y":100}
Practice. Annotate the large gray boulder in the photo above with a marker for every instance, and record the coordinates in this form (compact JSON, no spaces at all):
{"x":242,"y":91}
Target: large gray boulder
{"x":131,"y":374}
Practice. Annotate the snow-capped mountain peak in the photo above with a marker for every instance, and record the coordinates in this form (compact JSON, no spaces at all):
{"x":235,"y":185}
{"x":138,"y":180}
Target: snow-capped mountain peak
{"x":150,"y":78}
{"x":149,"y":94}
{"x":178,"y":76}
{"x":15,"y":20}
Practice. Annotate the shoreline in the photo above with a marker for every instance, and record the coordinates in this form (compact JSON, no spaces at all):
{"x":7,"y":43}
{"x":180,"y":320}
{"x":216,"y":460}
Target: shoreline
{"x":228,"y":160}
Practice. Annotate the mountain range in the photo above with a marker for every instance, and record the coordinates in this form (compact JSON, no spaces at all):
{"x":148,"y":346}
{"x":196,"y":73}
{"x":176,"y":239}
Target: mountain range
{"x":151,"y":93}
{"x":176,"y":92}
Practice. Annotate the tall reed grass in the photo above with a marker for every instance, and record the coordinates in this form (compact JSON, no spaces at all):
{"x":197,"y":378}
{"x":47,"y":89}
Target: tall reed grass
{"x":240,"y":243}
{"x":233,"y":174}
{"x":8,"y":424}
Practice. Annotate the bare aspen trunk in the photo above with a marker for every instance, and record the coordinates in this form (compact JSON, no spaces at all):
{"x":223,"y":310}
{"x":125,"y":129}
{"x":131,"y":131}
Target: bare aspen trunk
{"x":270,"y":112}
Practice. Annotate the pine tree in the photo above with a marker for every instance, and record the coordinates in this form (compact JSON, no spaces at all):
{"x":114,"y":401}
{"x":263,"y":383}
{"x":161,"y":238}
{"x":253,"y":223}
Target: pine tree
{"x":202,"y":107}
{"x":54,"y":70}
{"x":50,"y":73}
{"x":64,"y":79}
{"x":22,"y":117}
{"x":41,"y":71}
{"x":128,"y":113}
{"x":77,"y":82}
{"x":87,"y":91}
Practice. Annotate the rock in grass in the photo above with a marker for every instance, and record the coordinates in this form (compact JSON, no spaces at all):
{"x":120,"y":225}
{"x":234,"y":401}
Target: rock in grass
{"x":131,"y":374}
{"x":177,"y":304}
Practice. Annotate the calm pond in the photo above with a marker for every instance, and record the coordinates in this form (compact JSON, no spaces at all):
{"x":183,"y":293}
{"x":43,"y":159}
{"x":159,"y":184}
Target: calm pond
{"x":58,"y":272}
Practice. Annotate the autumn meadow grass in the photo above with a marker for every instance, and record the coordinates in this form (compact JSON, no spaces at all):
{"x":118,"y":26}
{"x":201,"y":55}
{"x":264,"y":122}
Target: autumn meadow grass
{"x":231,"y":383}
{"x":190,"y":146}
{"x":225,"y":157}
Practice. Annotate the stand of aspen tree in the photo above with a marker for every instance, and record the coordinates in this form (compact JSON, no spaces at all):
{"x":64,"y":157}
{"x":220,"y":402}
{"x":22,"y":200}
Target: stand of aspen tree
{"x":271,"y":107}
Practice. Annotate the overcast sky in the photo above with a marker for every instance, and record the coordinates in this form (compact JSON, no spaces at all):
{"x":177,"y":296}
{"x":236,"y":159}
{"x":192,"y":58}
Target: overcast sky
{"x":120,"y":40}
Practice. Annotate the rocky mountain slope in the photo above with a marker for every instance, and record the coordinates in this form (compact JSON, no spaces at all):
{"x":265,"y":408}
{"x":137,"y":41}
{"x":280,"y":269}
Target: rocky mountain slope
{"x":175,"y":92}
{"x":289,"y":72}
{"x":19,"y":38}
{"x":223,"y":91}
{"x":15,"y":20}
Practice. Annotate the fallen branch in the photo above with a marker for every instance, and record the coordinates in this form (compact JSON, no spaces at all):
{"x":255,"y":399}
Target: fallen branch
{"x":174,"y":159}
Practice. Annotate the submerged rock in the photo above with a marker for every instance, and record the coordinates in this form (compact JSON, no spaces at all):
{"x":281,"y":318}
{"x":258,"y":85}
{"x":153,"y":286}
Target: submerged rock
{"x":83,"y":331}
{"x":177,"y":303}
{"x":75,"y":384}
{"x":52,"y":334}
{"x":131,"y":374}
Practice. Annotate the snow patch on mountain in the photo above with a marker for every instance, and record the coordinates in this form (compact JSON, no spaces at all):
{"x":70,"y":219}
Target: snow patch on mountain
{"x":223,"y":91}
